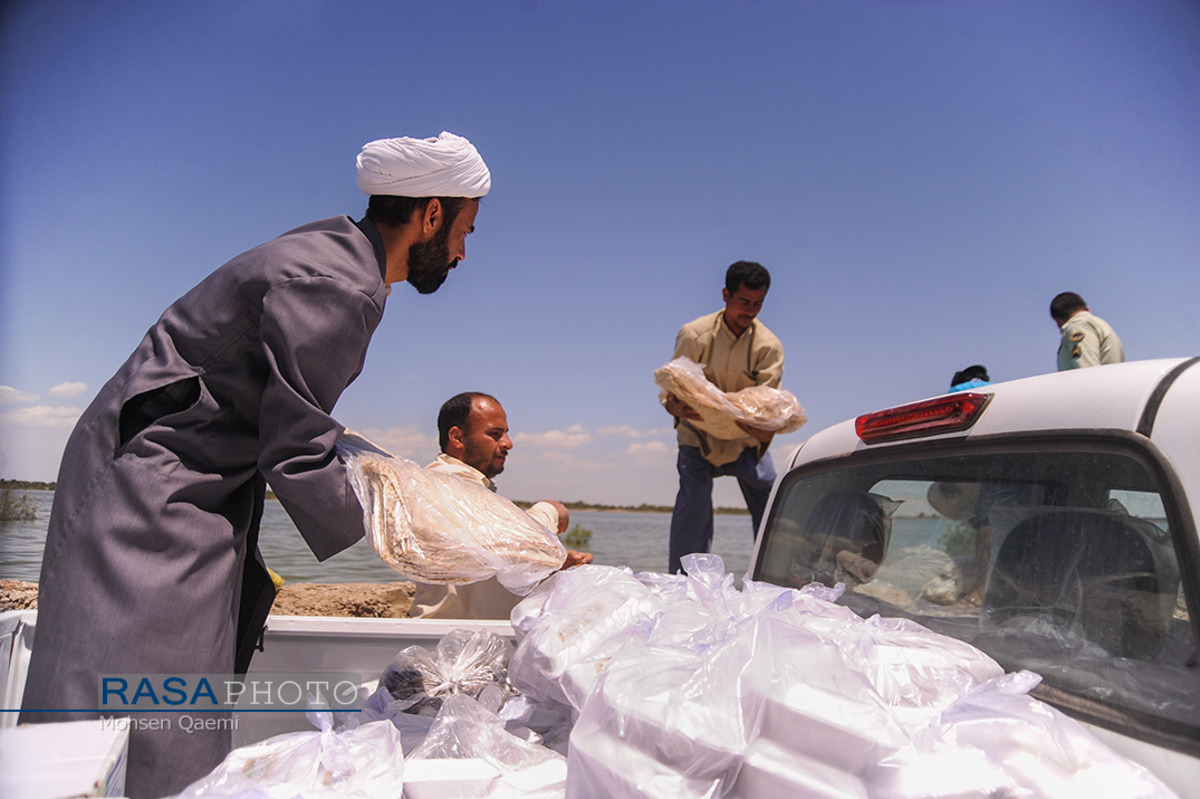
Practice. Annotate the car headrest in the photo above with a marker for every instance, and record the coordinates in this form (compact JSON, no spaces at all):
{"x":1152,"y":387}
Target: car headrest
{"x":1104,"y":576}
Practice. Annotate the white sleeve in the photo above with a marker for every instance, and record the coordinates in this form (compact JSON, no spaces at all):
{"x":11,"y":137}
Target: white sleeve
{"x":546,"y":515}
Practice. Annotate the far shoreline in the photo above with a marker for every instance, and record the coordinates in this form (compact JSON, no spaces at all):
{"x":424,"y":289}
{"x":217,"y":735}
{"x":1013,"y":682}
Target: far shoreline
{"x":579,"y":505}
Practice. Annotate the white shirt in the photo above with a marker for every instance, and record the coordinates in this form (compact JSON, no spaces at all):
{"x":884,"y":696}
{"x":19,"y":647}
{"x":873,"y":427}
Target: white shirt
{"x":487,"y":599}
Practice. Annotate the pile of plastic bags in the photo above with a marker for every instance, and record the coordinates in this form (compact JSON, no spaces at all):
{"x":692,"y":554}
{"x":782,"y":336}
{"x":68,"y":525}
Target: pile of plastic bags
{"x":685,"y":686}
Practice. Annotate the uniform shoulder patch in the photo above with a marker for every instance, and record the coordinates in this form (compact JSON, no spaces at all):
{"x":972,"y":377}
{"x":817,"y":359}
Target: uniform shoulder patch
{"x":1077,"y":336}
{"x":1076,"y":353}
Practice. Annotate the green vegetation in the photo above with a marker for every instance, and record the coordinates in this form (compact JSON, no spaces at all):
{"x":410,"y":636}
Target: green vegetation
{"x":26,"y":485}
{"x":959,"y":539}
{"x":577,"y":537}
{"x":16,"y":507}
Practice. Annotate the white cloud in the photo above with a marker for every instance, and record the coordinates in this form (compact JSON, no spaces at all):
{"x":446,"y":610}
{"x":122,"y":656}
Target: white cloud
{"x":650,"y":453}
{"x":32,"y":440}
{"x":567,"y":476}
{"x":68,"y":390}
{"x":31,"y":453}
{"x":632,"y":432}
{"x":405,"y":442}
{"x":571,"y":438}
{"x":46,"y":416}
{"x":12,"y":396}
{"x":574,"y":462}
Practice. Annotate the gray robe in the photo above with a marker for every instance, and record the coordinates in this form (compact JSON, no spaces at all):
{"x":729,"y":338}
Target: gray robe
{"x":151,"y":563}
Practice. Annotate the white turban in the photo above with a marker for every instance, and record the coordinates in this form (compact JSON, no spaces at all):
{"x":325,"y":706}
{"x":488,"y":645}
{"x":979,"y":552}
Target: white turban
{"x":448,"y":166}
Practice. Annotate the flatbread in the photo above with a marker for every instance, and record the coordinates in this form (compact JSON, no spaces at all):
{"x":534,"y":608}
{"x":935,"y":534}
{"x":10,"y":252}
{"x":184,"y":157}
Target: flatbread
{"x":438,"y":528}
{"x":758,"y":406}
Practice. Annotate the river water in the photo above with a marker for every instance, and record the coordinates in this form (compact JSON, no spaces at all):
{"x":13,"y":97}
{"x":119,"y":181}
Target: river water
{"x":636,"y":540}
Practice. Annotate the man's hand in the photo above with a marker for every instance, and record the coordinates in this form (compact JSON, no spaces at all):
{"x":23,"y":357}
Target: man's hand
{"x":763,"y":436}
{"x":677,"y":407}
{"x":576,"y":559}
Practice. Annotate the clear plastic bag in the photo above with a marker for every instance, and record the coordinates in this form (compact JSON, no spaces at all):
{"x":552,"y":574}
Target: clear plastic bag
{"x":570,"y":627}
{"x":998,"y":741}
{"x":438,"y":528}
{"x":468,"y":752}
{"x":680,"y":707}
{"x":915,"y":672}
{"x":468,"y":662}
{"x":758,"y":406}
{"x":362,"y":763}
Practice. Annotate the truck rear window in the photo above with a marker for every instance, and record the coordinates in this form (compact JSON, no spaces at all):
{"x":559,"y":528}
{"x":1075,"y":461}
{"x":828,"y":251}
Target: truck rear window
{"x":1055,"y":561}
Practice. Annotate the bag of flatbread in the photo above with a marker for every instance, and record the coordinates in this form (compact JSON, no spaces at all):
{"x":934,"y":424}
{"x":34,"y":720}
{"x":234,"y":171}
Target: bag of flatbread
{"x":758,"y":406}
{"x":438,"y":528}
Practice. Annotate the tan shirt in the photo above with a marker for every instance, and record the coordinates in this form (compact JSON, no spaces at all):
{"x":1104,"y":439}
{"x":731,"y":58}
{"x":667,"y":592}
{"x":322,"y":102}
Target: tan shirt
{"x":754,"y":358}
{"x":486,"y":599}
{"x":1088,"y":340}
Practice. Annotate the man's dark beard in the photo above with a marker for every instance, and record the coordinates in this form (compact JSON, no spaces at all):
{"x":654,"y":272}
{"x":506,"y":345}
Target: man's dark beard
{"x":430,"y":263}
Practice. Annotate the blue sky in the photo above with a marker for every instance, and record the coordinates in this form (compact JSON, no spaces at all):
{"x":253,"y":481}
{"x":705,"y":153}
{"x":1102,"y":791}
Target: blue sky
{"x":920,"y":177}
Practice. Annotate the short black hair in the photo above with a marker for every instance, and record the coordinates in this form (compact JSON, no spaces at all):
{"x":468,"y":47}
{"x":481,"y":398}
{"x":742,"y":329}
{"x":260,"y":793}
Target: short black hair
{"x":1065,"y":304}
{"x":750,"y":274}
{"x":388,"y":211}
{"x":976,"y":372}
{"x":456,"y":412}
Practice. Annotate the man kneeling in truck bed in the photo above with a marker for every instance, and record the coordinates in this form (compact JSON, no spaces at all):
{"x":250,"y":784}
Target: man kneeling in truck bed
{"x":473,"y":436}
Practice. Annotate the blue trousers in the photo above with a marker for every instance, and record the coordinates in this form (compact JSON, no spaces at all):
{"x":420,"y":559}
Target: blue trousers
{"x":692,"y":519}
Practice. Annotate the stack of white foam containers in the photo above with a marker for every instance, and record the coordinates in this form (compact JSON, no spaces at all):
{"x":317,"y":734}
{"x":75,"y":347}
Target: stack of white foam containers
{"x":777,"y":711}
{"x":792,"y":697}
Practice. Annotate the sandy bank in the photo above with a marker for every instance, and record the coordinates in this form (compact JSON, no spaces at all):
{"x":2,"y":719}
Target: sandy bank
{"x":359,"y":600}
{"x":17,"y":595}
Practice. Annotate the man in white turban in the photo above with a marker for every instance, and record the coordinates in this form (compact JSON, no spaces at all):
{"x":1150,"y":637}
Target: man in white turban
{"x":151,"y":564}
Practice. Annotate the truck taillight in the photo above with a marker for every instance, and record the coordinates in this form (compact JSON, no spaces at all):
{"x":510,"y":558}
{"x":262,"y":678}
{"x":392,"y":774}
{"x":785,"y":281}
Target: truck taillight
{"x":942,"y":415}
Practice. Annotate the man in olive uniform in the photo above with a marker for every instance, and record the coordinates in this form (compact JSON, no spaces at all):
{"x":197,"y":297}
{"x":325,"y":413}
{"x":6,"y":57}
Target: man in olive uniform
{"x":151,"y":565}
{"x":1087,"y":340}
{"x":737,"y":352}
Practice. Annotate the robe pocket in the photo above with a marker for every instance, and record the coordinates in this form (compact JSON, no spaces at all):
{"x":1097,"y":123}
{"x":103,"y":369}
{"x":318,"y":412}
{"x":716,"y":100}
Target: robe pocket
{"x":150,"y":407}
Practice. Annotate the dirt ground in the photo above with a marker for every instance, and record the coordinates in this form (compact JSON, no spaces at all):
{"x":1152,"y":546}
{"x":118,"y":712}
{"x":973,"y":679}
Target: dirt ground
{"x":359,"y":600}
{"x":17,"y":595}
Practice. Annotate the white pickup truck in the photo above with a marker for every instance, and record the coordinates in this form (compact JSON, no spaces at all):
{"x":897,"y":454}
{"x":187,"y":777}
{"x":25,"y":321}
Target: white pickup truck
{"x":1050,"y":522}
{"x":1047,"y":522}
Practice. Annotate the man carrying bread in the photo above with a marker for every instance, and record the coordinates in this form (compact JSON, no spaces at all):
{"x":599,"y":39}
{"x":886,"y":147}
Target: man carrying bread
{"x":737,"y":351}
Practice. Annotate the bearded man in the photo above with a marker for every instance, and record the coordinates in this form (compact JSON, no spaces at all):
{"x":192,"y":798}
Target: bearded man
{"x":473,"y":437}
{"x":151,"y":565}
